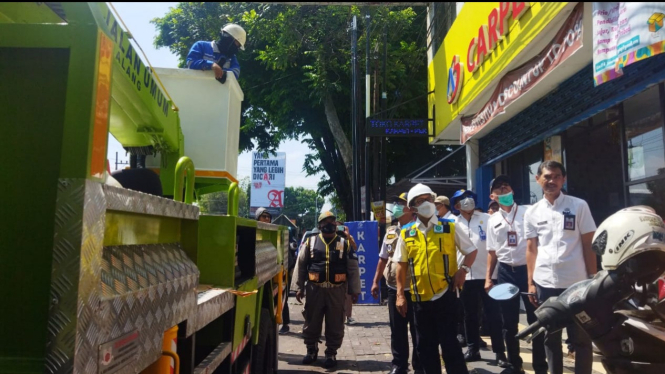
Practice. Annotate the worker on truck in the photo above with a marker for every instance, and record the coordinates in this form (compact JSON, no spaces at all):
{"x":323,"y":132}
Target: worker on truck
{"x":262,"y":215}
{"x":219,"y":56}
{"x":330,"y":266}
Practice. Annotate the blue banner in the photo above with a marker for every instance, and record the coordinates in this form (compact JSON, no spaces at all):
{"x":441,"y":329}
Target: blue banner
{"x":366,"y":235}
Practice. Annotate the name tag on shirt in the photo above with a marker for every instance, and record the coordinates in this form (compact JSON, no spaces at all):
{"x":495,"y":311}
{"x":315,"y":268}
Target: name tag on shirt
{"x":512,"y":239}
{"x":569,"y":222}
{"x":340,"y":246}
{"x":542,"y":223}
{"x":481,"y":233}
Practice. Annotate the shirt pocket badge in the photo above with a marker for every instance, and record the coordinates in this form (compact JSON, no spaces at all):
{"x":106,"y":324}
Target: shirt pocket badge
{"x":438,"y":229}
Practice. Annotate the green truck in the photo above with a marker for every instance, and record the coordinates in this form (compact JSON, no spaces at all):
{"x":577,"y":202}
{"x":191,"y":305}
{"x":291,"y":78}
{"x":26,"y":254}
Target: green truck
{"x":98,"y":277}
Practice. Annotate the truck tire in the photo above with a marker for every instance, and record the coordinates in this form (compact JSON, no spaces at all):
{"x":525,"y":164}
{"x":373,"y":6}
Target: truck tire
{"x":263,"y":355}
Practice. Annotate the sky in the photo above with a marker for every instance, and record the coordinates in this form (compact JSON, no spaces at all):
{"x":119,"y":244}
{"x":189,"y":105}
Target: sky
{"x":137,"y":17}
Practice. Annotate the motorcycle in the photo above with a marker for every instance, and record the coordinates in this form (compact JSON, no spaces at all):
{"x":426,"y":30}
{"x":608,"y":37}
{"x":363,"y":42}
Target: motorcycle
{"x":623,"y":315}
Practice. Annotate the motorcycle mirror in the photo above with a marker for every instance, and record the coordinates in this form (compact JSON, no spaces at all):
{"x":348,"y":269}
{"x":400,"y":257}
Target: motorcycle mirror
{"x":505,"y":291}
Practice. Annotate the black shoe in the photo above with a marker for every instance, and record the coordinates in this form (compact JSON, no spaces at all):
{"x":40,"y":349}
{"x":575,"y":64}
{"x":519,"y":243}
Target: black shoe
{"x":311,"y":356}
{"x":502,"y":361}
{"x":471,"y":356}
{"x":330,"y":362}
{"x":419,"y":372}
{"x":462,"y":340}
{"x":284,"y":329}
{"x":482,"y":344}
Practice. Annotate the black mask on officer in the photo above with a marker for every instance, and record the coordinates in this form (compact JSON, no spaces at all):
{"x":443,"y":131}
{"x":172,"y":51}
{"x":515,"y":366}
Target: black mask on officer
{"x":328,"y":228}
{"x":227,"y":45}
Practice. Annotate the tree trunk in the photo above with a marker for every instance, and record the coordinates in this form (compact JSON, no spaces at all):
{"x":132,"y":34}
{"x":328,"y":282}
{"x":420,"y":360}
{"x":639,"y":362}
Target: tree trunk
{"x":331,"y":160}
{"x":341,"y":140}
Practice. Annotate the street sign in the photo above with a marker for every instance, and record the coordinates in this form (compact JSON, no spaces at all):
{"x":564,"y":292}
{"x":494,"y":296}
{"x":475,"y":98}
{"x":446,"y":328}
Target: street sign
{"x":397,"y":127}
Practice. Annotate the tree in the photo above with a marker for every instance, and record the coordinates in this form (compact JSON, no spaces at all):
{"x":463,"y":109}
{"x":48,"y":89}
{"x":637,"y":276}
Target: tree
{"x":301,"y":204}
{"x":296,"y":77}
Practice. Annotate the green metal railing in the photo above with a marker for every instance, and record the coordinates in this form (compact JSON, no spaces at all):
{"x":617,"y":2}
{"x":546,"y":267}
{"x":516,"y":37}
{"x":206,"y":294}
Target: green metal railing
{"x":185,"y":164}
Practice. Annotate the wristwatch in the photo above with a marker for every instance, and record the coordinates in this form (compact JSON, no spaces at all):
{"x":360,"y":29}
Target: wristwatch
{"x":466,"y":268}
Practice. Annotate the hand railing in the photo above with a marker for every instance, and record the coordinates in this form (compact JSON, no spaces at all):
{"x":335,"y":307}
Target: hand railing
{"x":185,"y":164}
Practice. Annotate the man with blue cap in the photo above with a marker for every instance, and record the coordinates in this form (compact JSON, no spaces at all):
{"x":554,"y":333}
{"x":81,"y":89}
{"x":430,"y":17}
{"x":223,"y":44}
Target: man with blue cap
{"x":474,"y":225}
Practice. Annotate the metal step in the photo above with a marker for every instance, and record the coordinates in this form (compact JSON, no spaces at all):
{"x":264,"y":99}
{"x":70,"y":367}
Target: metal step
{"x":211,"y":304}
{"x":214,"y":359}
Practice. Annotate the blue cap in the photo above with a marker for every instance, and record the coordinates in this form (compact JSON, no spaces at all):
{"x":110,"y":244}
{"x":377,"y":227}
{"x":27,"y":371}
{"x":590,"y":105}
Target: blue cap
{"x":461,"y":193}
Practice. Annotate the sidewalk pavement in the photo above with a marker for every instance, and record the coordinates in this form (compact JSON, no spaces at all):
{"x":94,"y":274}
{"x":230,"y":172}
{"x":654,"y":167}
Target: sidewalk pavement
{"x":366,"y":347}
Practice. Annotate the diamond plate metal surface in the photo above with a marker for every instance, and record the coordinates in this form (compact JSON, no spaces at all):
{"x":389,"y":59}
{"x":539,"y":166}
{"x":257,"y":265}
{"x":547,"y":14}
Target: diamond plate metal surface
{"x":214,"y":359}
{"x":211,"y":304}
{"x":266,"y":262}
{"x":138,"y":202}
{"x":99,"y":294}
{"x":266,"y":226}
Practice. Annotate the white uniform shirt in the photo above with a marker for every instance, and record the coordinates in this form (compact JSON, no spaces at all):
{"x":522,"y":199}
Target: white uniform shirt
{"x":383,"y":253}
{"x":478,"y":235}
{"x":497,"y":235}
{"x":559,"y":229}
{"x":462,"y":242}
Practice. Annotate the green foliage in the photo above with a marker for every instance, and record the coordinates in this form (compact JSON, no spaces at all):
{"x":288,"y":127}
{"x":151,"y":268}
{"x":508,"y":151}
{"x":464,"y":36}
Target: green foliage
{"x":301,"y":204}
{"x":298,"y":56}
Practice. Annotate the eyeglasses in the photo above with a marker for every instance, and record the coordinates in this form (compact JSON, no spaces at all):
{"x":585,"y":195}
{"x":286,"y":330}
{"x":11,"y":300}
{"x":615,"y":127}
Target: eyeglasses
{"x":422,"y":200}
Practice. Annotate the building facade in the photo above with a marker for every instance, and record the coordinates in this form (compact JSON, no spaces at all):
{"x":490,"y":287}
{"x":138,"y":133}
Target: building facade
{"x":518,"y":84}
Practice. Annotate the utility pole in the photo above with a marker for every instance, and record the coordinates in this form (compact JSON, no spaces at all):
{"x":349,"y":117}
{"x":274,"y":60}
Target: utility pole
{"x":384,"y":107}
{"x":368,"y":189}
{"x":354,"y":119}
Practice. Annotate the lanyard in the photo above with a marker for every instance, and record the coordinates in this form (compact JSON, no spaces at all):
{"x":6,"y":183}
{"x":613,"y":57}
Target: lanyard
{"x":514,"y":215}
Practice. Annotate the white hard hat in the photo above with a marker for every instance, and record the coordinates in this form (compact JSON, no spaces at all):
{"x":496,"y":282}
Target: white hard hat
{"x":237,"y":32}
{"x":625,"y":237}
{"x":417,"y":190}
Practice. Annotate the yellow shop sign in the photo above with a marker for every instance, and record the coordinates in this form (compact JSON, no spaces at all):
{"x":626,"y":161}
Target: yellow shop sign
{"x":485,"y":41}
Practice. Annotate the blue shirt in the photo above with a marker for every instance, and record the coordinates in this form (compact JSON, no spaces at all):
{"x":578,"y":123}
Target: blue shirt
{"x":203,"y":54}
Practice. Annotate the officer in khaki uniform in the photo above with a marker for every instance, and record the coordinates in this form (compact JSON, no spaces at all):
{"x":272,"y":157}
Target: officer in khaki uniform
{"x":330,"y":266}
{"x":427,"y":249}
{"x":399,"y":326}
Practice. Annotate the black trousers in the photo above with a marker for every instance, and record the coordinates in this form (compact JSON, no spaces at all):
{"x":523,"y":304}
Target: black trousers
{"x":472,"y":295}
{"x":578,"y":339}
{"x":510,"y":311}
{"x":399,"y":333}
{"x":436,"y":326}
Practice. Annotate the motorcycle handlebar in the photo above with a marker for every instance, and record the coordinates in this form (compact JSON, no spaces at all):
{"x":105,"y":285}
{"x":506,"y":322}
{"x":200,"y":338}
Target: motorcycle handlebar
{"x":528,"y":331}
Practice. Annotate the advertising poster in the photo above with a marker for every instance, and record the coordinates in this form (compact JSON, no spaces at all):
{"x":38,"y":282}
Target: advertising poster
{"x":624,"y":33}
{"x":366,"y":235}
{"x":268,"y":178}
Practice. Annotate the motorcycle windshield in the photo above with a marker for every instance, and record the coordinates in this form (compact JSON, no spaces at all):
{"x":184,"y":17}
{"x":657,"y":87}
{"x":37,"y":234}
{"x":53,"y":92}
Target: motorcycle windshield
{"x":576,"y":292}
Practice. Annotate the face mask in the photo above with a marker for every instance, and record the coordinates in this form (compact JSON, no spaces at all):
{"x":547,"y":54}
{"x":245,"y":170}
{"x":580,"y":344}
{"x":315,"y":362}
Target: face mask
{"x":507,"y":199}
{"x":227,"y":45}
{"x":426,"y":209}
{"x":398,"y":211}
{"x":467,"y":204}
{"x":328,"y":228}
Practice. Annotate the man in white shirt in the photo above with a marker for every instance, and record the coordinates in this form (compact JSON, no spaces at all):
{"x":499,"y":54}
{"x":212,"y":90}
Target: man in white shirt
{"x":506,"y":245}
{"x":427,"y":248}
{"x":442,"y":204}
{"x":399,"y":326}
{"x":559,"y":230}
{"x":474,"y":225}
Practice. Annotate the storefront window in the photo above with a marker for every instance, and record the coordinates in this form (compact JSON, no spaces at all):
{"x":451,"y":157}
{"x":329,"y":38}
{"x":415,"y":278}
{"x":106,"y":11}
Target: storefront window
{"x":651,"y":194}
{"x":644,"y":135}
{"x":535,"y":190}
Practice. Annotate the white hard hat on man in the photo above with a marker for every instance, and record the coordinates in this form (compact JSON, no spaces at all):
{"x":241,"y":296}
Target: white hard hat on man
{"x":237,"y":32}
